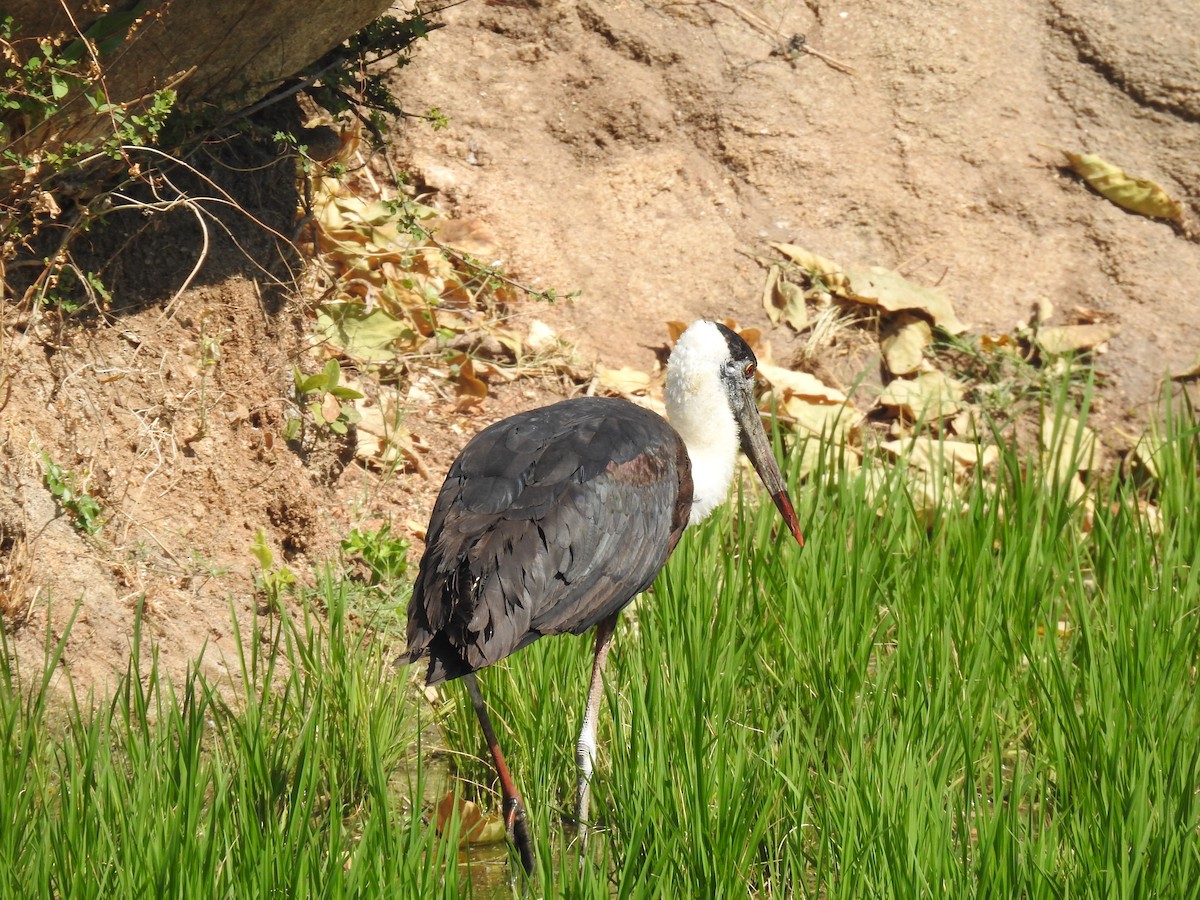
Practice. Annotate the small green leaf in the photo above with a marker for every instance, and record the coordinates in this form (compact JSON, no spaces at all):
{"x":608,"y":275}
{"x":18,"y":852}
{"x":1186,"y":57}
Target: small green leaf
{"x":307,"y":384}
{"x":261,"y":551}
{"x":332,"y":373}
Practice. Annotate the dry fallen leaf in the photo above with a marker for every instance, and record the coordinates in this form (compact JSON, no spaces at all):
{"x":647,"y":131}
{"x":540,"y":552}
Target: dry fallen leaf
{"x":933,"y":454}
{"x":624,"y":381}
{"x":768,"y":294}
{"x":330,"y":408}
{"x":467,"y":383}
{"x":995,"y":342}
{"x":1072,"y":338}
{"x":903,"y":343}
{"x":928,"y":397}
{"x":877,"y":286}
{"x":808,"y":403}
{"x":1191,"y":373}
{"x":1073,"y":446}
{"x":799,"y":384}
{"x":1134,"y":194}
{"x":784,"y":301}
{"x":381,"y":440}
{"x":475,"y":827}
{"x":818,"y":268}
{"x":470,"y":236}
{"x":1146,"y":452}
{"x":834,"y":422}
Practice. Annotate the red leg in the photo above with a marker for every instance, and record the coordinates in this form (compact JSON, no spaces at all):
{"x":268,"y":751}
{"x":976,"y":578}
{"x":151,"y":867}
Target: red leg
{"x":514,"y":809}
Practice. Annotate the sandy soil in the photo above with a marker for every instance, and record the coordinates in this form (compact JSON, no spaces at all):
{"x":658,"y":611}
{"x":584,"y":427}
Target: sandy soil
{"x":641,"y":154}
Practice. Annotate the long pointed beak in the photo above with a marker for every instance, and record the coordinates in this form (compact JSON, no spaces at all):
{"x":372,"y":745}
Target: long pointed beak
{"x":757,"y":447}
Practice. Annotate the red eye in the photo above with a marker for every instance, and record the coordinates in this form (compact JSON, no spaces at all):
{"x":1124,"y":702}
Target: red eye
{"x":749,"y":370}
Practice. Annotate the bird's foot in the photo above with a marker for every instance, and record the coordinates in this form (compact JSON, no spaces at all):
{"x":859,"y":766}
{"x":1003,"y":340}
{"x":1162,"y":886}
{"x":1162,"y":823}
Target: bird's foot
{"x":514,"y":812}
{"x":517,"y":823}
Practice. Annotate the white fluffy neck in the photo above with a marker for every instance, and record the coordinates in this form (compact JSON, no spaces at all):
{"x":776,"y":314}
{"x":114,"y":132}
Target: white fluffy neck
{"x":698,"y":409}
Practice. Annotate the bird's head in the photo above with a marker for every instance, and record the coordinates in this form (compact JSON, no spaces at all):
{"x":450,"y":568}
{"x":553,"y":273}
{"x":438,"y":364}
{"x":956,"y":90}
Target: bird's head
{"x":710,"y":386}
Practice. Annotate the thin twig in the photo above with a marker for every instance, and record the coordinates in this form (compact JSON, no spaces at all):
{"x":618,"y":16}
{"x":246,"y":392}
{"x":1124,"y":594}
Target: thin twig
{"x":794,"y":44}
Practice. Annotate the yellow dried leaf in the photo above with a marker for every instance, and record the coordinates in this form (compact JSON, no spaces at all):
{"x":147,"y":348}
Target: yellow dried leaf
{"x":768,"y":296}
{"x":1134,"y":194}
{"x":928,"y":397}
{"x":784,"y":300}
{"x":993,"y":342}
{"x":904,"y":342}
{"x":808,"y":403}
{"x":833,"y":422}
{"x":330,"y":408}
{"x":877,"y":286}
{"x":382,"y":441}
{"x":623,"y":381}
{"x":818,"y":268}
{"x":1067,"y":338}
{"x":792,"y":309}
{"x":470,"y":236}
{"x":790,"y":383}
{"x":1146,"y":452}
{"x":932,"y":454}
{"x":1191,"y":373}
{"x":475,"y":827}
{"x":467,"y":383}
{"x":1069,"y":446}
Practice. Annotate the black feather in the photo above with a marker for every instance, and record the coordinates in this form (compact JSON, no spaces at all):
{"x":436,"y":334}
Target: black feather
{"x":549,"y":521}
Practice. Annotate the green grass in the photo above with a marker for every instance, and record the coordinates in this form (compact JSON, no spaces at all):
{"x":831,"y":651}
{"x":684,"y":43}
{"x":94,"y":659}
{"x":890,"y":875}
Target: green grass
{"x":1002,"y":703}
{"x":281,"y":783}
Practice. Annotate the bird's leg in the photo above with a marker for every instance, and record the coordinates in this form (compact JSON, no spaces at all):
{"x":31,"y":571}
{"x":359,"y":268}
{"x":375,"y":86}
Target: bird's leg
{"x":585,"y":749}
{"x":514,"y":809}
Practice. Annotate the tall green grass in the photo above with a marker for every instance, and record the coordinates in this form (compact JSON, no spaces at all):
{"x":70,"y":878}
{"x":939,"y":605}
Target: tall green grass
{"x":1001,"y":704}
{"x":280,"y":783}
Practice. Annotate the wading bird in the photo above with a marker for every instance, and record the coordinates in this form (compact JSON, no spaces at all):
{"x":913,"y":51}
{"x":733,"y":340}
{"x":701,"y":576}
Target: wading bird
{"x":553,"y":520}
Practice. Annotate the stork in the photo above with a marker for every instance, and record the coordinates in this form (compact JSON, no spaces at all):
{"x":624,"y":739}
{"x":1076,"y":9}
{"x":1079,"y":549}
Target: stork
{"x":553,"y":520}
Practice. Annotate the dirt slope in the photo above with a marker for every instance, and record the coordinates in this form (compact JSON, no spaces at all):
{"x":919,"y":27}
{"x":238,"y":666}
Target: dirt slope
{"x":641,"y":153}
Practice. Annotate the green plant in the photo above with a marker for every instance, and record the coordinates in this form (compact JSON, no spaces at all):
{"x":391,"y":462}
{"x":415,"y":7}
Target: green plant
{"x":297,"y":776}
{"x":351,"y":78}
{"x":321,"y":394}
{"x":56,"y":123}
{"x":999,"y":701}
{"x":384,"y":554}
{"x":71,"y":495}
{"x":45,"y":74}
{"x":273,"y":582}
{"x":209,"y":353}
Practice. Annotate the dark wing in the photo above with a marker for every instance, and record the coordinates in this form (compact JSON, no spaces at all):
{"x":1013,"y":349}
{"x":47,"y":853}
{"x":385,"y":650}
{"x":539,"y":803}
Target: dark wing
{"x":549,"y":521}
